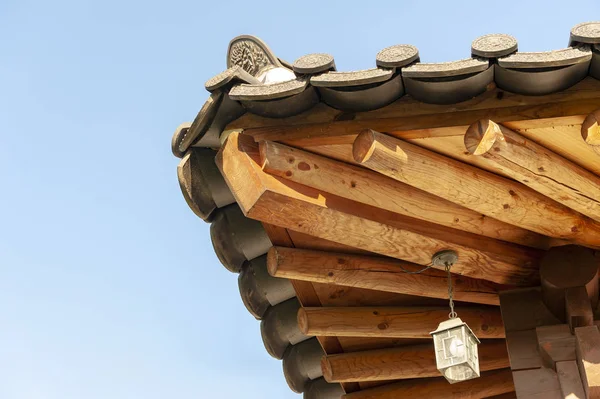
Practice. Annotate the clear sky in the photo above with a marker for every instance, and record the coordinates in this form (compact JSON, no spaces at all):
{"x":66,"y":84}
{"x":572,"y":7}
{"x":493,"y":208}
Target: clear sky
{"x":109,"y":287}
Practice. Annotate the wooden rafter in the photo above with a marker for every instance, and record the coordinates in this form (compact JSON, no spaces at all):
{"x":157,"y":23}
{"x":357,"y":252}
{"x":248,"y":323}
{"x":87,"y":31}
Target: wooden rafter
{"x":473,"y":188}
{"x":358,"y":184}
{"x":375,"y":273}
{"x":535,"y":166}
{"x":490,"y":383}
{"x":395,"y":322}
{"x":416,"y":361}
{"x":268,"y":199}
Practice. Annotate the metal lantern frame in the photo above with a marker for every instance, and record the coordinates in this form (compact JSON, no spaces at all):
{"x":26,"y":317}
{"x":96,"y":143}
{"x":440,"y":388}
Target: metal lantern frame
{"x":455,"y":344}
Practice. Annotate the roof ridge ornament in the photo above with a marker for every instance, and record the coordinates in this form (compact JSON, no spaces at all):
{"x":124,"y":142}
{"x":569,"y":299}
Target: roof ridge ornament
{"x":251,"y":54}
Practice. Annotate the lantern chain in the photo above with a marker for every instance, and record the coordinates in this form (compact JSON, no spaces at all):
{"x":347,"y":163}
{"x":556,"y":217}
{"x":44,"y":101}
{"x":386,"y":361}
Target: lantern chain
{"x":452,"y":314}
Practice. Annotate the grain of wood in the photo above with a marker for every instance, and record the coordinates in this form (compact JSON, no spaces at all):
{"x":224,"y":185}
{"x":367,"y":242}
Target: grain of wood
{"x":490,"y":383}
{"x":416,"y":361}
{"x":395,"y":322}
{"x":473,"y":188}
{"x":296,"y":207}
{"x":358,"y":184}
{"x":535,"y":166}
{"x":375,"y":273}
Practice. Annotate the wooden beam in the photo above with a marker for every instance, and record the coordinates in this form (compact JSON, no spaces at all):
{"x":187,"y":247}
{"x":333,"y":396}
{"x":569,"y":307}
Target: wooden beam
{"x":588,"y":359}
{"x":535,"y":166}
{"x":556,"y":344}
{"x":395,"y":322}
{"x":286,"y":204}
{"x":360,"y":185}
{"x":490,"y":383}
{"x":523,"y":350}
{"x":590,"y":130}
{"x":565,"y":267}
{"x":416,"y":361}
{"x":476,"y":189}
{"x":541,"y":383}
{"x":523,"y":309}
{"x":375,"y":273}
{"x":570,"y":380}
{"x":579,"y":309}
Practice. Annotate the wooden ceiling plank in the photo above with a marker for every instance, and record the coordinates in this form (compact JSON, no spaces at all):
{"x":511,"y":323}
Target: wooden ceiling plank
{"x":367,"y":187}
{"x":476,"y":189}
{"x":535,"y":166}
{"x":490,"y":383}
{"x":376,"y":273}
{"x":395,"y":322}
{"x":416,"y":361}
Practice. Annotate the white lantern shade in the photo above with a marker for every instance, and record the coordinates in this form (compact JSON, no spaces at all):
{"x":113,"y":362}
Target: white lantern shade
{"x":456,"y":350}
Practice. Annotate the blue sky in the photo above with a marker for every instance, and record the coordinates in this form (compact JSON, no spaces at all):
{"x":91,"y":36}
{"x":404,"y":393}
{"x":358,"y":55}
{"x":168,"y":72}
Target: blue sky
{"x":109,"y":287}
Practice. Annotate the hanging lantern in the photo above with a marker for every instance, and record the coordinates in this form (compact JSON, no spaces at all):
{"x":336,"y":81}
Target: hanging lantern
{"x":454,"y":343}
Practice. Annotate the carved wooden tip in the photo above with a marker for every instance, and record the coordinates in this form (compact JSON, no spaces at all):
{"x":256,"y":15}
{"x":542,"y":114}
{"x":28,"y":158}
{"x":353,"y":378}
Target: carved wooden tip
{"x":481,"y":136}
{"x":272,"y":261}
{"x":303,"y":321}
{"x":590,"y":129}
{"x":326,"y":368}
{"x":362,"y":149}
{"x":263,"y":150}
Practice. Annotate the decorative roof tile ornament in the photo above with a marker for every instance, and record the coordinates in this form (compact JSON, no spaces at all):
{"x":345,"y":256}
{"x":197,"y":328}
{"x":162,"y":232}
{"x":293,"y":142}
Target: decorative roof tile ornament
{"x":251,"y":54}
{"x":587,"y":32}
{"x":494,"y":45}
{"x":314,"y":63}
{"x":397,"y":56}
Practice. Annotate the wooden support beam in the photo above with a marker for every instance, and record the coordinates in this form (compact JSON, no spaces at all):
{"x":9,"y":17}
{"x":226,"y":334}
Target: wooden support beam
{"x":473,"y":188}
{"x":590,"y":130}
{"x":570,"y":380}
{"x":375,"y":273}
{"x":360,"y":185}
{"x":523,"y":309}
{"x":556,"y":344}
{"x":523,"y":350}
{"x":579,"y":309}
{"x":566,"y":267}
{"x":539,"y":383}
{"x":491,"y":383}
{"x":287,"y":204}
{"x":588,"y":359}
{"x":416,"y":361}
{"x":395,"y":322}
{"x":535,"y":166}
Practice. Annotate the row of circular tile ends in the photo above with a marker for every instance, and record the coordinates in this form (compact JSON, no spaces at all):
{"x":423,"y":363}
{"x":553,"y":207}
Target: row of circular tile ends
{"x":258,"y":82}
